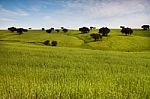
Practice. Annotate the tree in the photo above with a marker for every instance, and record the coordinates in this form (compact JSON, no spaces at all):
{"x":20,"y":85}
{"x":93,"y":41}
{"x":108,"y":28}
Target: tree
{"x":145,"y":27}
{"x":127,"y":31}
{"x":43,"y":29}
{"x":91,"y":28}
{"x":122,"y":26}
{"x":54,"y":43}
{"x":49,"y":31}
{"x":21,"y":30}
{"x":65,"y":30}
{"x":57,"y":30}
{"x":12,"y":29}
{"x":96,"y":36}
{"x":29,"y":28}
{"x":84,"y":30}
{"x":52,"y":29}
{"x":18,"y":30}
{"x":104,"y":31}
{"x":62,"y":28}
{"x":46,"y":42}
{"x":25,"y":30}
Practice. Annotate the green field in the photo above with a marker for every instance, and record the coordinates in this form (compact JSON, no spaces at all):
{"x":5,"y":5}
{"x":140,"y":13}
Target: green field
{"x":116,"y":67}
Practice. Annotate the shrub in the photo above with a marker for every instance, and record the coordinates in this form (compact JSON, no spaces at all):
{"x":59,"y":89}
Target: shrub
{"x":57,"y":30}
{"x":49,"y":31}
{"x":46,"y":42}
{"x":54,"y":43}
{"x":65,"y":30}
{"x":96,"y":36}
{"x":21,"y":30}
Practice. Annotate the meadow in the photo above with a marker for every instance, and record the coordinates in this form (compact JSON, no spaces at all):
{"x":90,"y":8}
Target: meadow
{"x":116,"y":67}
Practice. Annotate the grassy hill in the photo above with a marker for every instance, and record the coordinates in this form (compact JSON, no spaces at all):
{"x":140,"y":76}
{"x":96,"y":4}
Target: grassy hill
{"x":31,"y":70}
{"x":115,"y":41}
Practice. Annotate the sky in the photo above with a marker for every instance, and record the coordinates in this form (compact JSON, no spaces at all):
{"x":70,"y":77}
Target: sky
{"x":74,"y":13}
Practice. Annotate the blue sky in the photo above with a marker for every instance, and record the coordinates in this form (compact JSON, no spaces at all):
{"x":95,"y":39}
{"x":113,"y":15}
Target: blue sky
{"x":74,"y":13}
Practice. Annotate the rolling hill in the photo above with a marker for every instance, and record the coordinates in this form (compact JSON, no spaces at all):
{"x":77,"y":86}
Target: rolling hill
{"x":78,"y":68}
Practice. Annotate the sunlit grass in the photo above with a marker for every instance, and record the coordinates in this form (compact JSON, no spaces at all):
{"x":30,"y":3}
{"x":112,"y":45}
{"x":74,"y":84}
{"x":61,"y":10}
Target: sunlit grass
{"x":34,"y":71}
{"x":139,"y":41}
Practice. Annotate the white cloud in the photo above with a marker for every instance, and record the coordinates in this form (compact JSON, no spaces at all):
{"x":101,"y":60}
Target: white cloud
{"x":10,"y":17}
{"x":134,"y":20}
{"x":111,"y":13}
{"x":35,"y":8}
{"x":12,"y":13}
{"x":107,"y":8}
{"x":7,"y":20}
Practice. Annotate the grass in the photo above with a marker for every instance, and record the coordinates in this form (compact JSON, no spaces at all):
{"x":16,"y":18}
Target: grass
{"x":41,"y":36}
{"x":69,"y":71}
{"x":116,"y":41}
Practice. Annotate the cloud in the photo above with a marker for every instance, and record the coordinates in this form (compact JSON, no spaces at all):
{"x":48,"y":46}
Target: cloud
{"x":10,"y":17}
{"x":107,"y":8}
{"x":8,"y":20}
{"x":12,"y":13}
{"x":134,"y":20}
{"x":110,"y":13}
{"x":35,"y":8}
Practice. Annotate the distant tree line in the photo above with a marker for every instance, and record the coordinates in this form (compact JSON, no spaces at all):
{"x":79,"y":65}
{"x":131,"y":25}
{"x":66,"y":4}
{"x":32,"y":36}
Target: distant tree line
{"x":57,"y":30}
{"x":104,"y":31}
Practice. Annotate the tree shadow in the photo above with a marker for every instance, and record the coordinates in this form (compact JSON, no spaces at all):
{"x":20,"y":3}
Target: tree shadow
{"x":11,"y":40}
